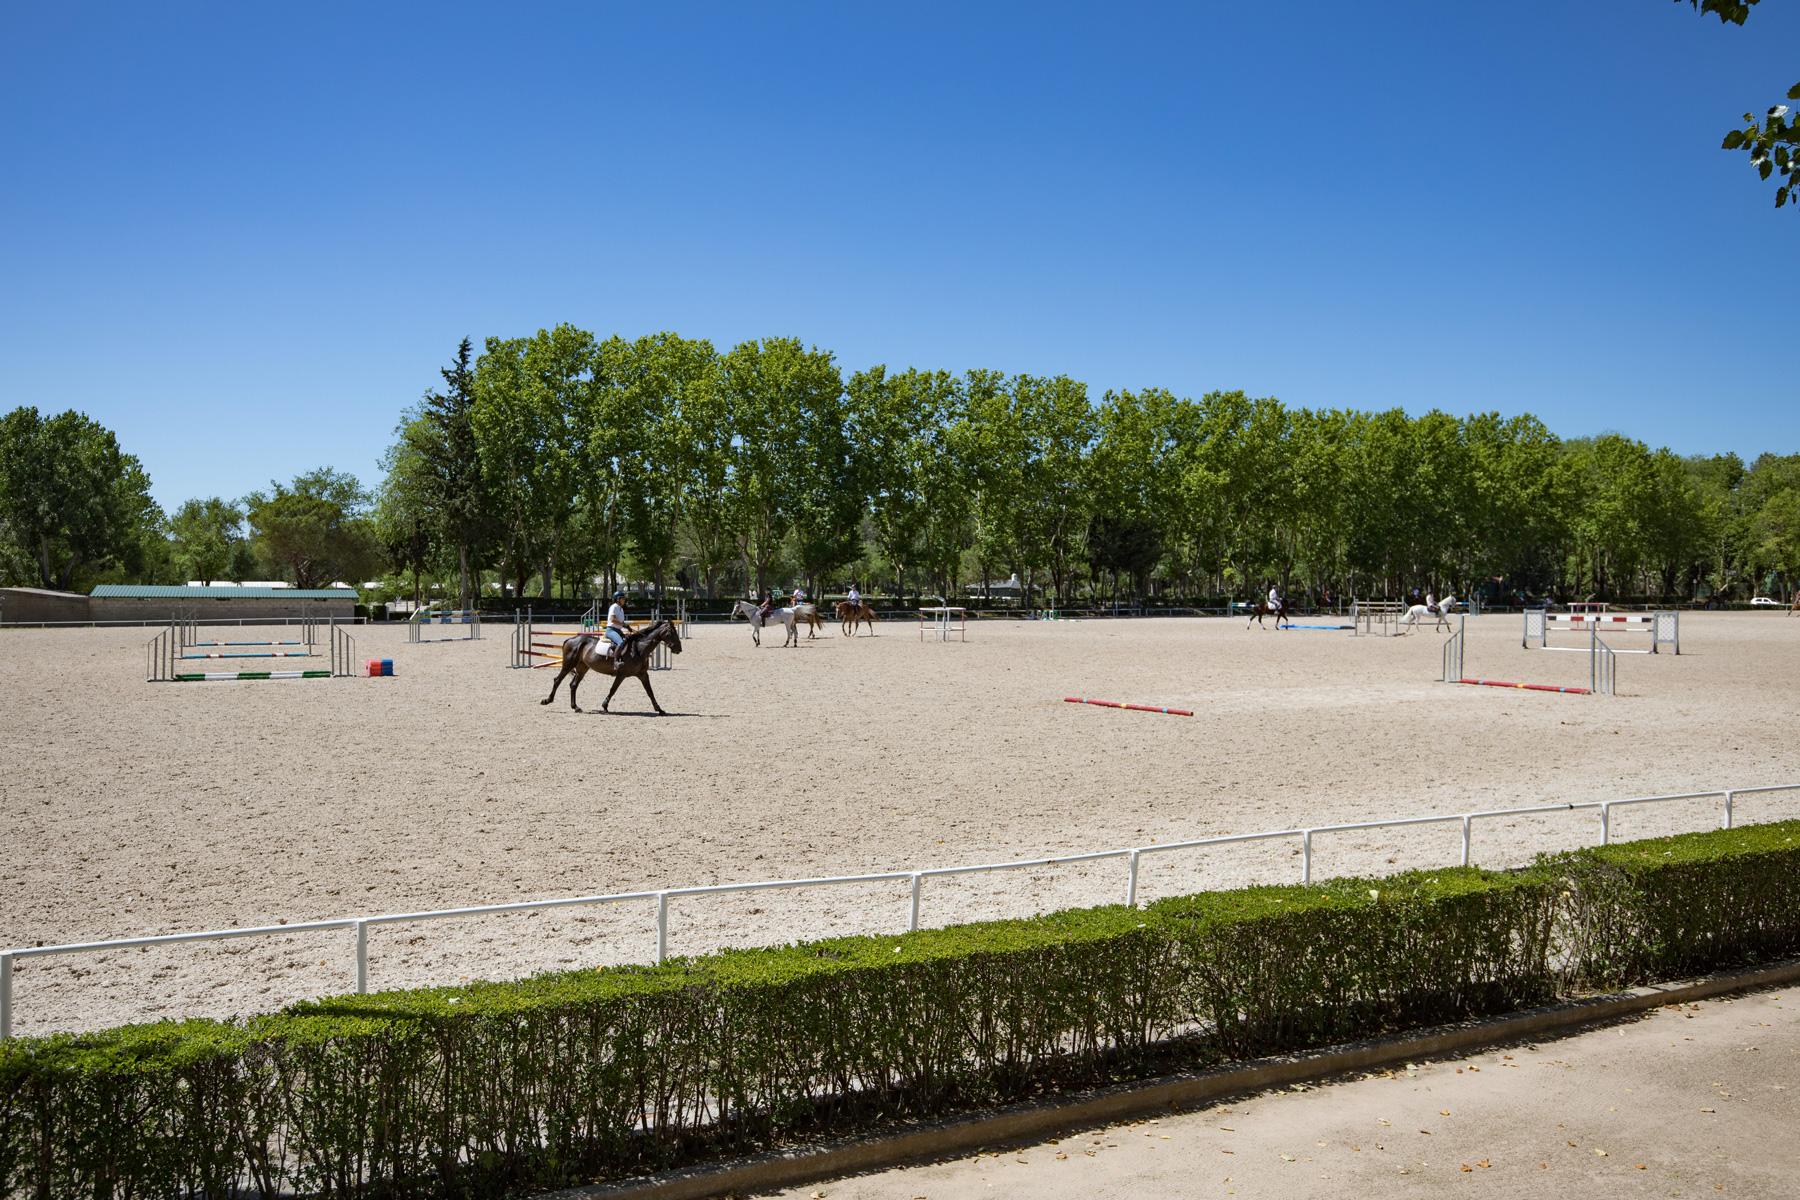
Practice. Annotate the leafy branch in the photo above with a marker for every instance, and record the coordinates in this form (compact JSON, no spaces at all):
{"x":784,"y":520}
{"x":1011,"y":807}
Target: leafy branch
{"x":1773,"y":143}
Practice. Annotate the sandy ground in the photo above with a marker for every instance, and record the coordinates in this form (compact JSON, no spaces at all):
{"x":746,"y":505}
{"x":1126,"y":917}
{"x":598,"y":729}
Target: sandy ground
{"x":1695,"y":1100}
{"x":129,"y":808}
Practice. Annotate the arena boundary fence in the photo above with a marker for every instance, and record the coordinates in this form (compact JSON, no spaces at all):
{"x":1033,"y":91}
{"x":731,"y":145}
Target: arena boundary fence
{"x":1132,"y":856}
{"x":1663,"y":626}
{"x":470,"y":617}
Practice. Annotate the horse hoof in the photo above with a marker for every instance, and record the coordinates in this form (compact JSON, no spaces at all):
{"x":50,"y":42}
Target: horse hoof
{"x":577,"y":708}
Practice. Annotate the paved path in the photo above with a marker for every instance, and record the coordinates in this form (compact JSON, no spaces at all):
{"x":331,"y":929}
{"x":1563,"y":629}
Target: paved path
{"x":1698,"y":1100}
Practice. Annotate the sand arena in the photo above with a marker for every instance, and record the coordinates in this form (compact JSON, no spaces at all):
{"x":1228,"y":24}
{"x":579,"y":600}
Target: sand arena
{"x":130,"y":809}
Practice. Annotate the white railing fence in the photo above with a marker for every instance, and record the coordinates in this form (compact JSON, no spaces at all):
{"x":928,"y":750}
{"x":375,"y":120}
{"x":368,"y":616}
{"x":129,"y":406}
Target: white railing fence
{"x":915,"y":880}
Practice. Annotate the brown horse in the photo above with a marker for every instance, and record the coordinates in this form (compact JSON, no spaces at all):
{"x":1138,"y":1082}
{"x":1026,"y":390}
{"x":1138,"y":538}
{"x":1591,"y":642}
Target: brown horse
{"x":587,"y":652}
{"x":1261,"y":609}
{"x":850,"y":615}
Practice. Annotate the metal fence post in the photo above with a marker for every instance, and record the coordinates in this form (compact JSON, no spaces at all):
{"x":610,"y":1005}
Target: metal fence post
{"x":1728,"y":808}
{"x":1306,"y":856}
{"x":362,"y":958}
{"x":1131,"y":880}
{"x":1605,"y":824}
{"x":662,"y":927}
{"x":5,"y":996}
{"x":1466,"y":823}
{"x":912,"y":923}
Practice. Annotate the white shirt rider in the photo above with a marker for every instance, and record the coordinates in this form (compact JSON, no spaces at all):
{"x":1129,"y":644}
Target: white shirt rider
{"x":1431,"y":602}
{"x":615,"y":619}
{"x":1274,"y":598}
{"x":855,"y":596}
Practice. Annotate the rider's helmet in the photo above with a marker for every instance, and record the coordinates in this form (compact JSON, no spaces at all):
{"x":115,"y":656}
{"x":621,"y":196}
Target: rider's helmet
{"x":619,"y":595}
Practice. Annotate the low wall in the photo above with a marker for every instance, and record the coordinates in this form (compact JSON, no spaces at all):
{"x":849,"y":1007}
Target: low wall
{"x":37,"y":604}
{"x":223,"y":609}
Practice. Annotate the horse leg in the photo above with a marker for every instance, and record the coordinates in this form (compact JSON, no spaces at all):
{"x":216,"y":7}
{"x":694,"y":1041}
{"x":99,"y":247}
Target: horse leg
{"x":644,"y":678}
{"x":581,"y":670}
{"x":557,"y":682}
{"x":617,"y":680}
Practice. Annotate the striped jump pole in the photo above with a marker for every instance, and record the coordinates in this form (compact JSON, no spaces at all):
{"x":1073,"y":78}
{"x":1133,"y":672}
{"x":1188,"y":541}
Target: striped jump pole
{"x":1600,"y":677}
{"x":1150,"y":708}
{"x":1664,"y":628}
{"x":1527,"y":687}
{"x":210,"y":676}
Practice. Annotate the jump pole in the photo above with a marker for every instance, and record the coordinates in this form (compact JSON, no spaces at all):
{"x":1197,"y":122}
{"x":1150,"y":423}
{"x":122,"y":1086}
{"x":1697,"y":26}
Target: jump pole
{"x":1150,"y":708}
{"x":1600,"y":668}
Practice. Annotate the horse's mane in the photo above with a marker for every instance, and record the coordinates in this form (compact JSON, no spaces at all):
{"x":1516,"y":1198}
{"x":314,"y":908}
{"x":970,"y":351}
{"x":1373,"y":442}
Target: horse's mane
{"x":637,"y":639}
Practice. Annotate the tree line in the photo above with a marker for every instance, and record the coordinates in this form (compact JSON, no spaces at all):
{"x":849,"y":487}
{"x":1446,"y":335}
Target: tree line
{"x":561,"y":463}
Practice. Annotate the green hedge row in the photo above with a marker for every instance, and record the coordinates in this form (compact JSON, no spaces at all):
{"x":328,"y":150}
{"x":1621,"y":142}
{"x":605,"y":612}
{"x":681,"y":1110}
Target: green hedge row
{"x":495,"y":1089}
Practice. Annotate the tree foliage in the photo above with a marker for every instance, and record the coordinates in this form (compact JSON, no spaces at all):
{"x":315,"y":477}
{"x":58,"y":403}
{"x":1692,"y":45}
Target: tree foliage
{"x":72,"y":504}
{"x":1773,"y":142}
{"x":316,"y":531}
{"x":206,"y":536}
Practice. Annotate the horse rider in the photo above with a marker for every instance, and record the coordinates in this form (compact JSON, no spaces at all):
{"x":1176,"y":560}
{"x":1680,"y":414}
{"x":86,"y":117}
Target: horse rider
{"x":799,"y":597}
{"x":616,"y":625}
{"x":1274,"y":598}
{"x":1431,"y":604}
{"x":855,"y":597}
{"x":768,"y":604}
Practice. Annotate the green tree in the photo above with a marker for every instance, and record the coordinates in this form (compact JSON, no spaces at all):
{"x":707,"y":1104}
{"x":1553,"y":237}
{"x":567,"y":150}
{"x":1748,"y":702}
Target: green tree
{"x":535,"y":408}
{"x":1051,"y":516}
{"x":444,"y":463}
{"x":1616,"y":486}
{"x":782,"y":400}
{"x":206,"y":534}
{"x":667,"y":384}
{"x":316,"y":530}
{"x":71,"y":501}
{"x":404,"y":517}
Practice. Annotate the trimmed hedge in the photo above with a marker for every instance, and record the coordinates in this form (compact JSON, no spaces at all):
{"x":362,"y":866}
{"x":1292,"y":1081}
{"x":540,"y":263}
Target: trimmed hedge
{"x":495,"y":1089}
{"x":1667,"y":907}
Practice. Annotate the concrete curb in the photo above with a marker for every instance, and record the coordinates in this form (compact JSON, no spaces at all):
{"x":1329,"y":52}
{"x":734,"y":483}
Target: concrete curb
{"x":1034,"y":1120}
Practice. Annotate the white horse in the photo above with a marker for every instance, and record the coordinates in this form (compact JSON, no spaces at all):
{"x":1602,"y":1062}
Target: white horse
{"x":786,"y":617}
{"x":1422,"y":612}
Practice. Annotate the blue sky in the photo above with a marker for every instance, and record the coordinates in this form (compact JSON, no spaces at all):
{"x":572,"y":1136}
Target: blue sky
{"x":245,"y":236}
